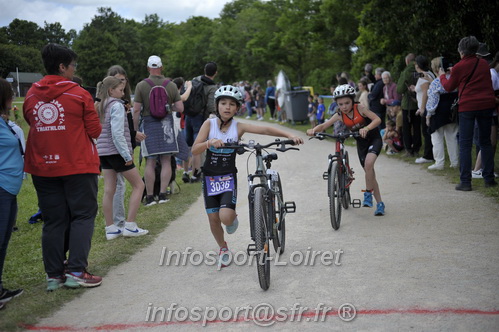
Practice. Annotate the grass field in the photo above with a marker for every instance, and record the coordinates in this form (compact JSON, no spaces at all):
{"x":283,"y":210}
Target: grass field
{"x":24,"y":266}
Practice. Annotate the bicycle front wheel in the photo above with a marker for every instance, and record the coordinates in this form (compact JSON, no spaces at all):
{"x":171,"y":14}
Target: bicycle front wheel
{"x":261,"y":239}
{"x":346,"y":191}
{"x":278,"y":225}
{"x":335,"y":196}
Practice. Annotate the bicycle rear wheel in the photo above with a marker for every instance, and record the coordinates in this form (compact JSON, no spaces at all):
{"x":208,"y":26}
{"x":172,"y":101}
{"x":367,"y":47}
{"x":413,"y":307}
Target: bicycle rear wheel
{"x":278,"y":225}
{"x":261,"y":239}
{"x":334,"y":196}
{"x":346,"y":191}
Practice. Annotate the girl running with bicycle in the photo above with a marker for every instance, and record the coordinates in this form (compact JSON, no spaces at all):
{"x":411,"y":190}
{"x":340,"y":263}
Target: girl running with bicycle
{"x":219,"y":169}
{"x":358,"y":118}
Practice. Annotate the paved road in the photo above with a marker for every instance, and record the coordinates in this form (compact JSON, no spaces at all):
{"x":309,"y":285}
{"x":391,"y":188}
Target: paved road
{"x":432,"y":263}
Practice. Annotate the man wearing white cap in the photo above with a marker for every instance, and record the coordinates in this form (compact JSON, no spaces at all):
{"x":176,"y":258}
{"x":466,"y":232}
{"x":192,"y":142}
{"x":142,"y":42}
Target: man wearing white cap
{"x":160,"y":133}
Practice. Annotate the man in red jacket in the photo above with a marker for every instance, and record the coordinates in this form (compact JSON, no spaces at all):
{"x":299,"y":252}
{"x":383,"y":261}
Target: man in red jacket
{"x":64,"y":163}
{"x":476,"y":104}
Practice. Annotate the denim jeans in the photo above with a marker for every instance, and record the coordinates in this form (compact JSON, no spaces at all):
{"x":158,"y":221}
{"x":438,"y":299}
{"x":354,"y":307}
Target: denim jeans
{"x":249,"y":108}
{"x":192,"y":126}
{"x":466,"y":128}
{"x":8,"y":212}
{"x":119,"y":201}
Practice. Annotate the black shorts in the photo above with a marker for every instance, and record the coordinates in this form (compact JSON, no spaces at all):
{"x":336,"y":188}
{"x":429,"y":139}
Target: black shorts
{"x":373,"y":143}
{"x":227,"y":199}
{"x":115,"y":162}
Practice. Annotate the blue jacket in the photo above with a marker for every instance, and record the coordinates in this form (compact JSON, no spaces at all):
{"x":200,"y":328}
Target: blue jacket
{"x":11,"y":160}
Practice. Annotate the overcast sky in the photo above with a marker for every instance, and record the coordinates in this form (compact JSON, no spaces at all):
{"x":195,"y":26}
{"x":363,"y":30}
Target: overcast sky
{"x":73,"y":14}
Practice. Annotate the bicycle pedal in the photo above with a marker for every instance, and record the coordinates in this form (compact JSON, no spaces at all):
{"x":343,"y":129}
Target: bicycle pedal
{"x":290,"y":207}
{"x":356,"y":203}
{"x":325,"y":176}
{"x":251,"y":248}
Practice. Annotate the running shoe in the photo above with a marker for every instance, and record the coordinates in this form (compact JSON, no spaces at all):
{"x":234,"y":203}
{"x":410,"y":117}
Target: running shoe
{"x":7,"y":295}
{"x":150,"y":200}
{"x":380,"y":209}
{"x":54,"y":283}
{"x":477,"y":174}
{"x":186,"y":178}
{"x":368,"y":199}
{"x":224,"y":257}
{"x":113,"y":232}
{"x":163,"y":198}
{"x":132,"y":230}
{"x":232,"y":228}
{"x":82,"y":279}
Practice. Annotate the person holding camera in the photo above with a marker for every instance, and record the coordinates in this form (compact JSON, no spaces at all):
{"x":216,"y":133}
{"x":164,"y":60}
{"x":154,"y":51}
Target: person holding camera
{"x":439,"y":118}
{"x":471,"y":76}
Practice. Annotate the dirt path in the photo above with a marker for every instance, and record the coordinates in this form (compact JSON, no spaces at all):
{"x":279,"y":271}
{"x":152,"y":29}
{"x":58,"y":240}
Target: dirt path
{"x":432,"y":263}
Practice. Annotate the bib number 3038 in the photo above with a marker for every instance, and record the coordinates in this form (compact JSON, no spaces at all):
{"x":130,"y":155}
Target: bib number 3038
{"x":218,"y":184}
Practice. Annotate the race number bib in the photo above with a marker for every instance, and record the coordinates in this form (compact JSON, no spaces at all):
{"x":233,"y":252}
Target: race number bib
{"x":218,"y":184}
{"x":274,"y":176}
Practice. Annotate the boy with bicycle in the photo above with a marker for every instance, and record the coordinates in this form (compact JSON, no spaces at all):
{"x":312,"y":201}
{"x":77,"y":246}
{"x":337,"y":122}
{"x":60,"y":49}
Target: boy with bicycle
{"x":219,"y":170}
{"x":358,"y":118}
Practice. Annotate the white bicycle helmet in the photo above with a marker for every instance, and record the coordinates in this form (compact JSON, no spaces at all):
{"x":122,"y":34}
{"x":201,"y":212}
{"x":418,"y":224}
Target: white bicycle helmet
{"x":344,"y":90}
{"x":229,"y":91}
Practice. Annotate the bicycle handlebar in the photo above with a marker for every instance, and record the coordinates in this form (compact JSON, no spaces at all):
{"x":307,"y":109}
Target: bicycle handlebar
{"x":323,"y":135}
{"x":257,"y":146}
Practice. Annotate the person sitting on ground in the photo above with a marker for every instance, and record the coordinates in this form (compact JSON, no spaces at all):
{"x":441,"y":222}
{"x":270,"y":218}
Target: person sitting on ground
{"x":220,"y":163}
{"x":392,"y":138}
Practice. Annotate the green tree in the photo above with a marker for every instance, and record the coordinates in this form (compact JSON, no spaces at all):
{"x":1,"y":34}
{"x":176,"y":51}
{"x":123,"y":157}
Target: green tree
{"x":25,"y":33}
{"x":389,"y":30}
{"x":54,"y":33}
{"x":190,"y":44}
{"x":108,"y":40}
{"x":25,"y":58}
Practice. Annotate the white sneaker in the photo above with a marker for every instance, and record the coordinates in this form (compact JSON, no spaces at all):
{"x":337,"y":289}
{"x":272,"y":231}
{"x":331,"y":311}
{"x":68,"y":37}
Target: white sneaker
{"x":113,"y":232}
{"x":131,"y":230}
{"x":436,"y":167}
{"x":260,"y":118}
{"x":422,"y":160}
{"x":271,"y":118}
{"x":477,"y":174}
{"x":248,"y":117}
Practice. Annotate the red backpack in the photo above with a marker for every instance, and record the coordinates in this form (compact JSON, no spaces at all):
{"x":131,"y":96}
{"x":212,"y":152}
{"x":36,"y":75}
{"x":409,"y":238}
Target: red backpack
{"x":159,"y":106}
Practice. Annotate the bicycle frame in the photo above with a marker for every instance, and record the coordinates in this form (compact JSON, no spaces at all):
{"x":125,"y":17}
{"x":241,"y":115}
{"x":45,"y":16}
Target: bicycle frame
{"x":263,"y":221}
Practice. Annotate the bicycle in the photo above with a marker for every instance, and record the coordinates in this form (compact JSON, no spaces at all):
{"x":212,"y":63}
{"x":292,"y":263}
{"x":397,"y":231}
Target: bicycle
{"x":267,"y":208}
{"x":339,"y":175}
